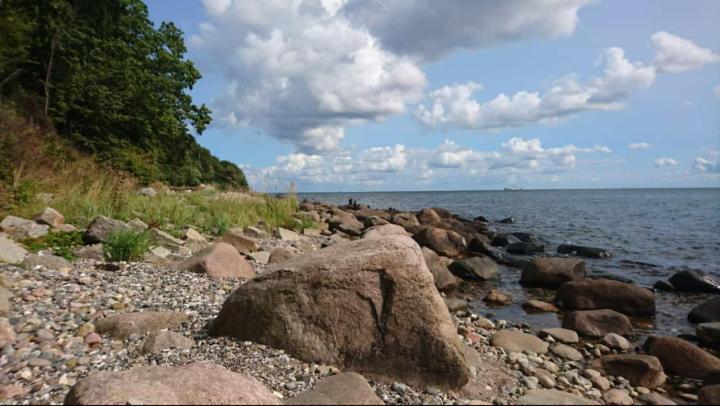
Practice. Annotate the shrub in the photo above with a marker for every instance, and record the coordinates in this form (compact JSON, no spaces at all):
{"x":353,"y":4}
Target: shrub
{"x":126,"y":245}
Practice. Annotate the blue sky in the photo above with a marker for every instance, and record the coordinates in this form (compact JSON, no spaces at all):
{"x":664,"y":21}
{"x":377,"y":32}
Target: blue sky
{"x":337,"y":95}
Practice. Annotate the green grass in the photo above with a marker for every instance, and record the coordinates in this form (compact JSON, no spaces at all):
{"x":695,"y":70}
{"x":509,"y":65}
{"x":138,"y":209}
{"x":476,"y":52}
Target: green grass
{"x":63,"y":244}
{"x":126,"y":245}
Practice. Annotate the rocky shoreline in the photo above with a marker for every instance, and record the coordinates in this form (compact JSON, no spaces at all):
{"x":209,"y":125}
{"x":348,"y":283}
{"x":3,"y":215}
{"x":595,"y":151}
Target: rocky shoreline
{"x":289,"y":315}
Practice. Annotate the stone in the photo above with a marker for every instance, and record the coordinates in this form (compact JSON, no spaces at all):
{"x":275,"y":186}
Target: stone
{"x":501,"y":240}
{"x":405,"y":220}
{"x":358,"y":306}
{"x":567,"y":352}
{"x":617,"y":397}
{"x":638,"y":369}
{"x":706,"y":312}
{"x":165,"y":239}
{"x":680,"y":357}
{"x":50,"y":217}
{"x":591,"y":294}
{"x":524,"y":248}
{"x":219,"y":260}
{"x":20,"y":228}
{"x":51,"y":262}
{"x":496,"y":297}
{"x":442,"y":276}
{"x":561,"y":334}
{"x":709,"y":395}
{"x":158,"y":341}
{"x":147,"y":191}
{"x":242,"y":243}
{"x":600,"y":382}
{"x":122,"y":325}
{"x":384,"y":230}
{"x":5,"y":296}
{"x":616,"y":342}
{"x":428,"y":217}
{"x":475,"y":268}
{"x":138,"y":225}
{"x":261,"y":257}
{"x":552,"y":272}
{"x":254,"y":232}
{"x":709,"y":334}
{"x":444,"y":242}
{"x":280,"y":255}
{"x":348,"y":388}
{"x":653,"y":398}
{"x":288,"y":235}
{"x":194,"y":240}
{"x":456,"y":305}
{"x":664,"y":286}
{"x":517,"y":341}
{"x":553,"y":397}
{"x":598,"y":323}
{"x":93,"y":339}
{"x":538,"y":306}
{"x":373,"y":221}
{"x":507,"y":220}
{"x":583,"y":251}
{"x":10,"y":251}
{"x":101,"y":227}
{"x":197,"y":383}
{"x":93,"y":252}
{"x":694,"y":282}
{"x":7,"y":333}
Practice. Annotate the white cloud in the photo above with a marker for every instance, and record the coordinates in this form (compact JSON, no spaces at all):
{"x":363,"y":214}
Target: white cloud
{"x":709,"y":163}
{"x":675,"y":54}
{"x":665,"y":162}
{"x":454,"y":106}
{"x":640,"y":145}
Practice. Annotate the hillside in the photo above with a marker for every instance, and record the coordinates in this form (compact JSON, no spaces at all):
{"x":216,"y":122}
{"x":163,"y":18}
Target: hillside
{"x":113,"y":85}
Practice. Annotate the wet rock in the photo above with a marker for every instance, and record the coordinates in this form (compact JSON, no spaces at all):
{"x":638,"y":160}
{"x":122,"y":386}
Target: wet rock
{"x":477,"y":246}
{"x":664,"y":286}
{"x":553,"y":397}
{"x":475,"y":268}
{"x":517,"y":341}
{"x":197,"y":383}
{"x":538,"y":306}
{"x":591,"y":294}
{"x":46,"y":261}
{"x":524,"y":237}
{"x":552,"y":272}
{"x":219,"y":260}
{"x":567,"y":352}
{"x":617,"y":397}
{"x":706,"y":312}
{"x":280,"y":255}
{"x":405,"y":220}
{"x":122,"y":325}
{"x":385,"y":230}
{"x":444,"y":242}
{"x":582,"y":251}
{"x":679,"y":357}
{"x":456,"y":305}
{"x":616,"y":341}
{"x":10,"y":251}
{"x":502,"y":240}
{"x":242,"y":243}
{"x":694,"y":282}
{"x":495,"y":297}
{"x":638,"y":369}
{"x":524,"y":248}
{"x":101,"y":228}
{"x":369,"y":298}
{"x":19,"y":228}
{"x":598,"y":323}
{"x":50,"y":217}
{"x":561,"y":334}
{"x":507,"y":220}
{"x":709,"y":334}
{"x":709,"y":395}
{"x":158,"y":341}
{"x":441,"y":275}
{"x":348,"y":388}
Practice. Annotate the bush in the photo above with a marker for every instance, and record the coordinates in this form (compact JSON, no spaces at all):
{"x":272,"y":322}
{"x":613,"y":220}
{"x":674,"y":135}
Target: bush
{"x":126,"y":246}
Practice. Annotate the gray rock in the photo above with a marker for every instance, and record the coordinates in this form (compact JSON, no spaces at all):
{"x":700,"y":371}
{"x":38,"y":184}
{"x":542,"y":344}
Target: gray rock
{"x":46,"y":261}
{"x":442,"y":276}
{"x":254,"y":232}
{"x":5,"y":296}
{"x":517,"y":341}
{"x":552,"y":272}
{"x":616,"y":341}
{"x":147,"y":191}
{"x":20,"y":228}
{"x":598,"y":323}
{"x":157,"y":341}
{"x":566,"y":352}
{"x":50,"y":217}
{"x":709,"y":333}
{"x":553,"y":397}
{"x":288,"y":235}
{"x":456,"y":305}
{"x":165,"y":239}
{"x":348,"y":388}
{"x":475,"y":268}
{"x":123,"y":325}
{"x":137,"y":225}
{"x":653,"y":398}
{"x":617,"y":397}
{"x":561,"y":334}
{"x":93,"y":252}
{"x":102,"y":227}
{"x":242,"y":243}
{"x":261,"y":257}
{"x":280,"y":255}
{"x":10,"y":251}
{"x":706,"y":312}
{"x":218,"y":261}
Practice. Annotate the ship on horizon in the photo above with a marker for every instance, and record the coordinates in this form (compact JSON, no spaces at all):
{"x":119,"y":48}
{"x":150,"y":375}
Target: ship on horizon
{"x":513,"y":188}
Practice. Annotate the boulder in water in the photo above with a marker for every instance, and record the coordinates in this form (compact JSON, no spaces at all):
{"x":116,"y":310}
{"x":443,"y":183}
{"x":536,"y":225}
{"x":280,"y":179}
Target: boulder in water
{"x":591,"y":294}
{"x":583,"y":251}
{"x":706,"y":312}
{"x":598,"y":323}
{"x":501,"y":240}
{"x":640,"y":370}
{"x":680,"y":357}
{"x":475,"y":268}
{"x":664,"y":286}
{"x":507,"y":220}
{"x":552,"y":272}
{"x":694,"y":282}
{"x":524,"y":248}
{"x":445,"y":242}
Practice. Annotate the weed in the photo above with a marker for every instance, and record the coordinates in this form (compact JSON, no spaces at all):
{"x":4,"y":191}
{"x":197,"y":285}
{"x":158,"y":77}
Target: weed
{"x":126,"y":245}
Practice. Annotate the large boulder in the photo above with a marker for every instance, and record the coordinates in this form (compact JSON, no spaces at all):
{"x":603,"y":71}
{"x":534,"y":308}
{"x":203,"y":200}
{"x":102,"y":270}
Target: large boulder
{"x":583,"y":251}
{"x":590,"y":294}
{"x":242,"y":243}
{"x":405,"y":220}
{"x":598,"y":323}
{"x":123,"y":325}
{"x":709,"y":395}
{"x":441,"y":275}
{"x":368,"y":305}
{"x":428,"y":217}
{"x":19,"y":228}
{"x":384,"y":230}
{"x":501,"y":240}
{"x":524,"y":248}
{"x":281,"y":254}
{"x":348,"y":388}
{"x":694,"y":282}
{"x":517,"y":341}
{"x":100,"y":228}
{"x":158,"y":341}
{"x":475,"y":268}
{"x":640,"y":370}
{"x":10,"y":251}
{"x":706,"y":312}
{"x":680,"y":357}
{"x":445,"y":242}
{"x":219,"y":260}
{"x":50,"y":217}
{"x":552,"y":272}
{"x":709,"y":334}
{"x":46,"y":261}
{"x":200,"y":383}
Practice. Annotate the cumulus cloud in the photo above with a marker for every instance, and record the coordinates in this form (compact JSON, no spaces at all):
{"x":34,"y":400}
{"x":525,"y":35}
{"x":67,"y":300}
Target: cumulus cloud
{"x":454,"y":106}
{"x":665,"y":162}
{"x":675,"y":54}
{"x":709,"y":163}
{"x":640,"y":145}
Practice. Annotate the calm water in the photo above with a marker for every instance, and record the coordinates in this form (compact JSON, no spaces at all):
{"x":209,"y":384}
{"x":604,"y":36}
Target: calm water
{"x":651,"y":232}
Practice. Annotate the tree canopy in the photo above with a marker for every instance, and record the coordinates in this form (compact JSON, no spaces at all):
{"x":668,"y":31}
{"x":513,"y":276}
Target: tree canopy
{"x":114,"y":85}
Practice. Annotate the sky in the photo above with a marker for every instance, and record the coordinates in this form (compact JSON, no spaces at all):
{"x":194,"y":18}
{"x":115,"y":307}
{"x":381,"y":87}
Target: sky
{"x":369,"y":95}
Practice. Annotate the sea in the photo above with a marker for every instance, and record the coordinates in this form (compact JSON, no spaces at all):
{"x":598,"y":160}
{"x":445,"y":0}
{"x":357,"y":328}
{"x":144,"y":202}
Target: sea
{"x":652,"y":233}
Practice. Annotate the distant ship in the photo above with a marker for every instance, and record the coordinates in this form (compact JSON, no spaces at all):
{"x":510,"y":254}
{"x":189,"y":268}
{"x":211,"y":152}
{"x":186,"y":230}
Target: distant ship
{"x":513,"y":188}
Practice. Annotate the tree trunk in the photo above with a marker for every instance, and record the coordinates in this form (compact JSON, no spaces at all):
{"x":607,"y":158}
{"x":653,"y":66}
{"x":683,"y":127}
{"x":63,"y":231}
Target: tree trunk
{"x":53,"y":45}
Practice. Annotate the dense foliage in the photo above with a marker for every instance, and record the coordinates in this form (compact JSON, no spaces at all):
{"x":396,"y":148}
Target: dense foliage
{"x":113,"y":84}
